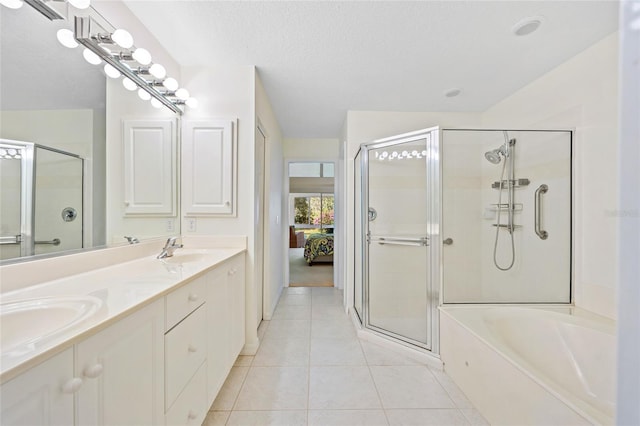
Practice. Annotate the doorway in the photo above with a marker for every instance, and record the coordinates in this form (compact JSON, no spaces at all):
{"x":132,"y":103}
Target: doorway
{"x":311,"y":208}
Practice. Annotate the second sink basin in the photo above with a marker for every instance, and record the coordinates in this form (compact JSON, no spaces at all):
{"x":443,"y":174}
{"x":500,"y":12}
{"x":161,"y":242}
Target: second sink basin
{"x":27,"y":323}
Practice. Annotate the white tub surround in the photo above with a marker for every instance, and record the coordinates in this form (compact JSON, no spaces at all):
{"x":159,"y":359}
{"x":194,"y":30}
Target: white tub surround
{"x":532,"y":365}
{"x":120,"y":280}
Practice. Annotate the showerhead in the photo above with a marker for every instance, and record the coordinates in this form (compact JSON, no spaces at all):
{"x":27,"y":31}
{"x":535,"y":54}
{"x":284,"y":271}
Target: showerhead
{"x":494,"y":156}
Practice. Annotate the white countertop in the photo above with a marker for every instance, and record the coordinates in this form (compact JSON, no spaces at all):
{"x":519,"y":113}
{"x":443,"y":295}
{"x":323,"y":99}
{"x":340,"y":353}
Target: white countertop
{"x":122,"y":288}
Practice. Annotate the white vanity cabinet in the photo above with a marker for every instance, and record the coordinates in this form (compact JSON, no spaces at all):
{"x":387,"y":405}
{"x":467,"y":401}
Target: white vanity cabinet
{"x":225,"y":320}
{"x":185,"y":346}
{"x":122,"y":368}
{"x":42,"y":395}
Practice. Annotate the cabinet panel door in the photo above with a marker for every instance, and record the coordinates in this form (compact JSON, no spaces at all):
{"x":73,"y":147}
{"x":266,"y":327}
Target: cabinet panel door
{"x":123,"y":371}
{"x":37,"y":397}
{"x":150,"y":167}
{"x":218,"y":335}
{"x":209,"y":168}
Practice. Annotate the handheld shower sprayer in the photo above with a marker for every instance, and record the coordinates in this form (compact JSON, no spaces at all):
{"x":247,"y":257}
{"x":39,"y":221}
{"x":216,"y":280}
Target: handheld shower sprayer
{"x":494,"y":156}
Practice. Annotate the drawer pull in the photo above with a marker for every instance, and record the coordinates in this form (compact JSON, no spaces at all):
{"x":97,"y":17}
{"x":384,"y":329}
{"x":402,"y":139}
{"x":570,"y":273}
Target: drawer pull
{"x":233,"y":271}
{"x":72,"y":385}
{"x":93,"y":372}
{"x":192,"y":415}
{"x":193,"y":297}
{"x":192,"y":348}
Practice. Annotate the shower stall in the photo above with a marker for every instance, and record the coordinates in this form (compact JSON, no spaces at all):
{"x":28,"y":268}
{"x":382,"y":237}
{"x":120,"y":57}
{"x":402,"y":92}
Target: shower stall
{"x":41,"y":200}
{"x":447,"y":216}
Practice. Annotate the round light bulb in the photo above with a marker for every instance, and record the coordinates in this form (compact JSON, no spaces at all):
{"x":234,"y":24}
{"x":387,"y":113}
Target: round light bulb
{"x":142,"y":56}
{"x":12,"y":4}
{"x":111,"y":71}
{"x":192,"y":103}
{"x":122,"y":38}
{"x":144,"y":95}
{"x":157,"y":71}
{"x":129,"y":84}
{"x":80,"y":4}
{"x":156,"y":103}
{"x":12,"y":151}
{"x":182,"y":93}
{"x":66,"y":38}
{"x":91,"y":57}
{"x":170,"y":84}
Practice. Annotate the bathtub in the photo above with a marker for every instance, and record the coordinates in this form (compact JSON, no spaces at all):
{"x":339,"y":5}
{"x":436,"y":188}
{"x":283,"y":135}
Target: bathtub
{"x":532,"y":365}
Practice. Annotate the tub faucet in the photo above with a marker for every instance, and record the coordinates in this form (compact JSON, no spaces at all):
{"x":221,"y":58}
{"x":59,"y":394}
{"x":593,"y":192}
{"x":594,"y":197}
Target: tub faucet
{"x":169,"y":248}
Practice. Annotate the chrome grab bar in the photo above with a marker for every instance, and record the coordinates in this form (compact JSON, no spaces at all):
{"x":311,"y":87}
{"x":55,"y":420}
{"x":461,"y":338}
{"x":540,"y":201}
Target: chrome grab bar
{"x":542,"y":189}
{"x":54,"y":242}
{"x":401,"y":241}
{"x":13,"y":239}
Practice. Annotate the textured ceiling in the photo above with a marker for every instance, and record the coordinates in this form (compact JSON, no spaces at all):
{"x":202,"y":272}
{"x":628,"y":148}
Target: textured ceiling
{"x":319,"y":59}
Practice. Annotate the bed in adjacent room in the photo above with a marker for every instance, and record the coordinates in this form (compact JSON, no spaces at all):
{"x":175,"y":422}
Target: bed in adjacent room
{"x":318,"y":248}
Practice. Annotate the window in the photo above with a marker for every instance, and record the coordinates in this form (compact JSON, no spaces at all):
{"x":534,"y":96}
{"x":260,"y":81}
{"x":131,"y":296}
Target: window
{"x":313,"y":212}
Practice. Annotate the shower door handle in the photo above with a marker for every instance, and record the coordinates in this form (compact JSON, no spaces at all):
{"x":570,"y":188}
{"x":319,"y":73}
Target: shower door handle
{"x":401,"y":241}
{"x":542,"y":189}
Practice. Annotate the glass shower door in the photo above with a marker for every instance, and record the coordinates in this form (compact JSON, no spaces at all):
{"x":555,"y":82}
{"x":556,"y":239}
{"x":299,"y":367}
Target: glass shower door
{"x":398,"y":230}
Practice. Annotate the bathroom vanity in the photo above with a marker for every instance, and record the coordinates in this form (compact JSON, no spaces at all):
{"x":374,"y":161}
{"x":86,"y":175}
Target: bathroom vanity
{"x":145,"y":341}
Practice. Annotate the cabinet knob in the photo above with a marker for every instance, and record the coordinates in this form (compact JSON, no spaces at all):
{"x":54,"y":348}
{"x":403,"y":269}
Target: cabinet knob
{"x":192,"y":348}
{"x":233,"y":271}
{"x":72,"y":385}
{"x":126,"y":203}
{"x":192,"y":415}
{"x":92,"y":371}
{"x":193,"y":297}
{"x":227,"y":203}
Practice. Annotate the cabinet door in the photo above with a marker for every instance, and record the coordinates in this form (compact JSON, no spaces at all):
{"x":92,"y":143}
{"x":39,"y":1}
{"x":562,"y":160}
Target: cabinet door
{"x":209,"y":168}
{"x":150,"y":167}
{"x":236,"y":285}
{"x":41,"y":396}
{"x":217,"y":308}
{"x":123,"y":371}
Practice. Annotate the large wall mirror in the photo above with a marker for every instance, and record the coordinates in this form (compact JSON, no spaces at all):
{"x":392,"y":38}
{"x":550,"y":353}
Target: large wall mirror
{"x":61,"y":155}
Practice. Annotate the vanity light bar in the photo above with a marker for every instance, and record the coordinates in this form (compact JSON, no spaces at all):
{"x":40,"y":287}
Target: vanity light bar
{"x":84,"y":37}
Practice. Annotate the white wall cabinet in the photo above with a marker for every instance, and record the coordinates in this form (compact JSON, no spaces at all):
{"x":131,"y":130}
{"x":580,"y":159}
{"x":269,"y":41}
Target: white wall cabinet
{"x":209,"y":162}
{"x":122,"y":368}
{"x":42,"y":395}
{"x":150,"y":167}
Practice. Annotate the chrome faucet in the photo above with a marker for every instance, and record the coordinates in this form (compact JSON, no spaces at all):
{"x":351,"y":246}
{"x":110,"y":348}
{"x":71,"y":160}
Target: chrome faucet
{"x":132,"y":240}
{"x":169,"y":248}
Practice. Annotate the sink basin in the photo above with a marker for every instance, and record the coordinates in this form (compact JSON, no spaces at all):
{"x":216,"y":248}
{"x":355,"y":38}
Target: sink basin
{"x":184,"y":257}
{"x":28,"y":323}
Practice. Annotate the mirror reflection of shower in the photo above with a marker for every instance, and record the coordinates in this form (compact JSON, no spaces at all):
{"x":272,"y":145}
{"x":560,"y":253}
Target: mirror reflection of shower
{"x":495,"y":156}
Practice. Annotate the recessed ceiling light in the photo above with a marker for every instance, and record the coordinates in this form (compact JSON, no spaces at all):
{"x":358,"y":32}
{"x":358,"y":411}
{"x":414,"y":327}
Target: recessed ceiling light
{"x":527,"y":25}
{"x":451,"y":93}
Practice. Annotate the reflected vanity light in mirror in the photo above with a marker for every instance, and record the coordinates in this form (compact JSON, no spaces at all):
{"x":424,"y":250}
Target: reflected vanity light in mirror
{"x":182,"y":93}
{"x":158,"y":71}
{"x":144,"y":95}
{"x":129,"y":85}
{"x":12,"y":4}
{"x":80,"y":4}
{"x":192,"y":103}
{"x":170,"y":84}
{"x":111,"y":71}
{"x":156,"y":103}
{"x":65,"y":37}
{"x":91,"y":57}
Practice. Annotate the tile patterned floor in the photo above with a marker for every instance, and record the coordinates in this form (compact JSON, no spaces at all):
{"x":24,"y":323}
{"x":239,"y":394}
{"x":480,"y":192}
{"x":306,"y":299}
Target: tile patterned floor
{"x":311,"y":369}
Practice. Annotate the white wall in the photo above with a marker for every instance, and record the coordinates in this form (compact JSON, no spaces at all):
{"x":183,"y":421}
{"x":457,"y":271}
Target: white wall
{"x":310,"y":148}
{"x":276,"y":232}
{"x":628,"y":411}
{"x":582,"y":94}
{"x":229,"y":91}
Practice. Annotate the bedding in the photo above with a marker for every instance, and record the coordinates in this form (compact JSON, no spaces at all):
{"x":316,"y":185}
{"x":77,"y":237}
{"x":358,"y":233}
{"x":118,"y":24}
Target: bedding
{"x":318,"y":246}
